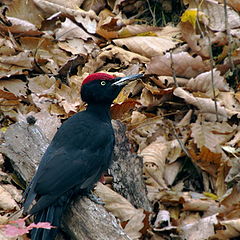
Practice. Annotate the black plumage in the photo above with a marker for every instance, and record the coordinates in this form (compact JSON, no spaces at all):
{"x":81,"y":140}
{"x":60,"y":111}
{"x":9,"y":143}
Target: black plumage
{"x":79,"y":153}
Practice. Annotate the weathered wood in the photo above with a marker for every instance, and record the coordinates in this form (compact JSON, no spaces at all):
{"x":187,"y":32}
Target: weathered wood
{"x":25,"y":144}
{"x":127,"y":170}
{"x":86,"y":220}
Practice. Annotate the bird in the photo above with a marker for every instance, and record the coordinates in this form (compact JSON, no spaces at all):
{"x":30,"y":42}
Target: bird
{"x":79,"y":153}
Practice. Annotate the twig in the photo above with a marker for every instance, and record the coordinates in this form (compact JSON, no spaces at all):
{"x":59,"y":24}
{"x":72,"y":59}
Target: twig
{"x":185,"y":150}
{"x":180,"y":142}
{"x":229,"y":39}
{"x":152,"y":13}
{"x":211,"y":60}
{"x":212,"y":80}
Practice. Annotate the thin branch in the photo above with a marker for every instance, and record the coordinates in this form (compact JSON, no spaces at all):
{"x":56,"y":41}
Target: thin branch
{"x":152,"y":13}
{"x":228,"y":36}
{"x":212,"y":79}
{"x":211,"y":60}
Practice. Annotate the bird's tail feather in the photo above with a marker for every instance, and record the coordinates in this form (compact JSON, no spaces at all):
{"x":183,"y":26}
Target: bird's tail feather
{"x":51,"y":214}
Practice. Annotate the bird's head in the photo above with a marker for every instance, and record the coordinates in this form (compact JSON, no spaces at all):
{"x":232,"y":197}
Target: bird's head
{"x":103,"y":88}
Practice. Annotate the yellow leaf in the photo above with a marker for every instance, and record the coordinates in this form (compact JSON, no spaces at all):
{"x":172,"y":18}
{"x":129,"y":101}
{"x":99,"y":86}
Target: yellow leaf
{"x":190,"y":15}
{"x":3,"y":129}
{"x":211,"y":195}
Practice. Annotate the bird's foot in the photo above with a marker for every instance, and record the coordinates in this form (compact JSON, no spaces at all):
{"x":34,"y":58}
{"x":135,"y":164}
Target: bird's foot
{"x":95,"y":198}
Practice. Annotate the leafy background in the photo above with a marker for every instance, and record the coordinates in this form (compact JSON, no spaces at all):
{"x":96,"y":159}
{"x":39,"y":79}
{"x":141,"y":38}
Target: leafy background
{"x":182,"y":117}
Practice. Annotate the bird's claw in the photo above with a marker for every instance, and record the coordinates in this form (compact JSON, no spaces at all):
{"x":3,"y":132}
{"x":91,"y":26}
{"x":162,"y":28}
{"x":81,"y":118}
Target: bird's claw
{"x":95,"y":199}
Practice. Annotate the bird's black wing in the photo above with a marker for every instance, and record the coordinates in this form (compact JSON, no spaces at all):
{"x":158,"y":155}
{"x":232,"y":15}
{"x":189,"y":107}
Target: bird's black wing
{"x":77,"y":156}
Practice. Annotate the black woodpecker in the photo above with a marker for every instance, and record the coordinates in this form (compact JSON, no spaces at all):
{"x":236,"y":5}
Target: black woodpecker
{"x":79,"y":153}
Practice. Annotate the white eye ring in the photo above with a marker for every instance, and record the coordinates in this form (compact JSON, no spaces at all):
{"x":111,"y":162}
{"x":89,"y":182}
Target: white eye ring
{"x":103,"y":83}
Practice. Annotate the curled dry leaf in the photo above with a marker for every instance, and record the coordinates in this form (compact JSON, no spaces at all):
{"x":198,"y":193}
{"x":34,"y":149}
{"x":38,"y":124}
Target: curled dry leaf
{"x":197,"y":203}
{"x":184,"y":65}
{"x":87,"y":19}
{"x":6,"y":95}
{"x":186,"y":119}
{"x":162,"y":219}
{"x":236,"y":139}
{"x":205,"y":105}
{"x":115,"y":203}
{"x":15,"y":193}
{"x":231,"y":229}
{"x":113,"y":52}
{"x":122,"y":209}
{"x":215,"y":13}
{"x":96,"y":6}
{"x":207,"y":160}
{"x":142,"y":132}
{"x":47,"y":122}
{"x":194,"y":231}
{"x":231,"y":199}
{"x":221,"y":177}
{"x":171,"y":171}
{"x":125,"y":93}
{"x":122,"y":111}
{"x":21,"y":26}
{"x":109,"y":24}
{"x":42,"y":84}
{"x":68,"y":97}
{"x":154,"y":158}
{"x":175,"y":150}
{"x":137,"y":118}
{"x":6,"y":200}
{"x":196,"y":42}
{"x":228,"y":100}
{"x":135,"y":224}
{"x":148,"y":99}
{"x":212,"y":134}
{"x":167,"y":81}
{"x":203,"y":82}
{"x":78,"y":46}
{"x":70,"y":30}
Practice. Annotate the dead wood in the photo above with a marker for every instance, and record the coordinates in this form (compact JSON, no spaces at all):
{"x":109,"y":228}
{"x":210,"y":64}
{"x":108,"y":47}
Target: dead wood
{"x":25,"y":144}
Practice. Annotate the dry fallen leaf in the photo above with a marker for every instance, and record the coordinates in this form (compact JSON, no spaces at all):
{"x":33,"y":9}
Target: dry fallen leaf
{"x":207,"y":160}
{"x":19,"y":8}
{"x":194,"y":231}
{"x":154,"y":158}
{"x":113,"y":52}
{"x":205,"y":105}
{"x":70,"y":30}
{"x":148,"y":46}
{"x":183,"y":63}
{"x":6,"y":200}
{"x":231,"y":229}
{"x":203,"y":82}
{"x":122,"y":209}
{"x":212,"y":134}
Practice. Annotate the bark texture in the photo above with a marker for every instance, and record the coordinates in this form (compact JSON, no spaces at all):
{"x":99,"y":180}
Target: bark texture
{"x":127,"y":170}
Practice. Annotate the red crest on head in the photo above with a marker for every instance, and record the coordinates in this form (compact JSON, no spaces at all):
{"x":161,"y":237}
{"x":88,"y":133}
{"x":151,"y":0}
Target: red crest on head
{"x":97,"y":76}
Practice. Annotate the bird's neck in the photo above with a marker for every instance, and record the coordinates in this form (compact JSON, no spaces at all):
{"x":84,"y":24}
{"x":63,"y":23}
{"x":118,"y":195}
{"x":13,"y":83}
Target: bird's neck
{"x":100,"y":110}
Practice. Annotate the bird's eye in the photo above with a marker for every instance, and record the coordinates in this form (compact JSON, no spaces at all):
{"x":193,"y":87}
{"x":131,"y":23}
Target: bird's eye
{"x":103,"y":83}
